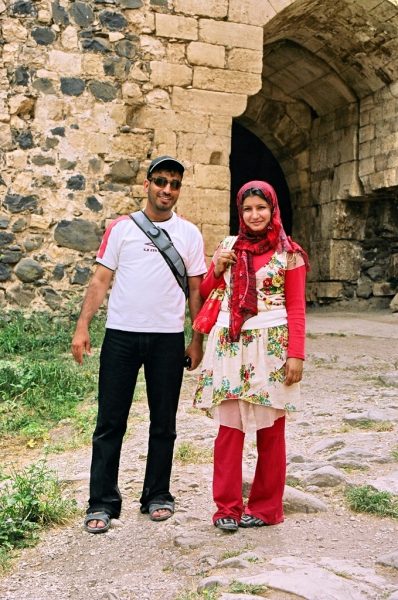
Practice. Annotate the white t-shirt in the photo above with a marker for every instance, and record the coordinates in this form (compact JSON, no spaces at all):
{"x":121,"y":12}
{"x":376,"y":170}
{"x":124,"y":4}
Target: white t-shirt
{"x":145,"y":295}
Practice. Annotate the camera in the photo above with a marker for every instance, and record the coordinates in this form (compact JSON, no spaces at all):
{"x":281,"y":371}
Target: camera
{"x":187,"y":361}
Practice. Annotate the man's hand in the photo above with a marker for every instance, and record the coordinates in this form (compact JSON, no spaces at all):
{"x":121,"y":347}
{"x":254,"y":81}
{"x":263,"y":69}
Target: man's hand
{"x":81,"y":343}
{"x":293,"y":370}
{"x":93,"y":299}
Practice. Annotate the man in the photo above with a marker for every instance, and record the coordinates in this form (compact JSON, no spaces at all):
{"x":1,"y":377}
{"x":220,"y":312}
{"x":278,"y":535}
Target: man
{"x":145,"y":323}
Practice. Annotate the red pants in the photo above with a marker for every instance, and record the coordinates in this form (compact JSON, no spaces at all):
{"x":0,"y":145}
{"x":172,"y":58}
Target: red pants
{"x":265,"y":500}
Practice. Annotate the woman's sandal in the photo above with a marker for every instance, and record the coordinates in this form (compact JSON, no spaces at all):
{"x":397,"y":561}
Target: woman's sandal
{"x":97,"y":516}
{"x":251,"y":521}
{"x":226,"y":523}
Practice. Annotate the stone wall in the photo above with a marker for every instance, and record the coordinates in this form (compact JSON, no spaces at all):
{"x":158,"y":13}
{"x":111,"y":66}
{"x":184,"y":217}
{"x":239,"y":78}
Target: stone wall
{"x":354,"y":177}
{"x":90,"y":92}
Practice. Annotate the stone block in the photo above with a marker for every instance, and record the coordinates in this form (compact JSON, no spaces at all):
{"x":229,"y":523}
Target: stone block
{"x":337,"y":260}
{"x":208,"y":102}
{"x":212,"y":176}
{"x":346,"y":182}
{"x":158,"y":118}
{"x":176,"y":53}
{"x":220,"y":125}
{"x":48,"y":108}
{"x":5,"y":137}
{"x":165,"y":143}
{"x":383,"y":288}
{"x":40,"y":222}
{"x":222,"y":80}
{"x":324,"y":290}
{"x":213,"y":235}
{"x":69,"y":38}
{"x":366,"y":166}
{"x":394,"y":304}
{"x":254,"y":12}
{"x":171,"y":26}
{"x":207,"y":55}
{"x":213,"y":207}
{"x":13,"y":31}
{"x":16,"y":160}
{"x":231,"y":35}
{"x":159,"y":98}
{"x":130,"y":145}
{"x":392,"y":159}
{"x":366,"y":133}
{"x":385,"y":179}
{"x":65,"y":63}
{"x":92,"y":65}
{"x":95,"y":143}
{"x":367,"y":150}
{"x":242,"y":59}
{"x":205,"y":148}
{"x":216,"y":9}
{"x":347,"y":220}
{"x":23,"y":182}
{"x":393,"y":266}
{"x":164,"y":74}
{"x":187,"y":206}
{"x":152,"y":47}
{"x":365,"y":118}
{"x":345,"y":260}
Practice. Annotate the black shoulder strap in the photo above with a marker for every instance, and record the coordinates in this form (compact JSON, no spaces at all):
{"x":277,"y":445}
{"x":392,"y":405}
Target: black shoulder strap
{"x":161,"y":239}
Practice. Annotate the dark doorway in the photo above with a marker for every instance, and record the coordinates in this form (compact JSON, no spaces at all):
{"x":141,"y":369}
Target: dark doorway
{"x":250,"y":159}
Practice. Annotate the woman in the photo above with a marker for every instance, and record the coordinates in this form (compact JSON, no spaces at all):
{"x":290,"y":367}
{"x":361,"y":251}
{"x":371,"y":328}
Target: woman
{"x":254,"y":357}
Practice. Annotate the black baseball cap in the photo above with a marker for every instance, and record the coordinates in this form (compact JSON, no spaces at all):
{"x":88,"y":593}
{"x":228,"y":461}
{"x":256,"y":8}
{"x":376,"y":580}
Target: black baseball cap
{"x":165,"y":162}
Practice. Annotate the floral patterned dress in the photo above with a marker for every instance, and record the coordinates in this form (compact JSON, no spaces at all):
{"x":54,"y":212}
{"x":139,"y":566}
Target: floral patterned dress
{"x":250,"y":371}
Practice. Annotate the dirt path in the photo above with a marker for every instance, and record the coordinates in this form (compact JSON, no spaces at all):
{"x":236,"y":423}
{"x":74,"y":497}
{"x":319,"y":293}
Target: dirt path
{"x":351,"y":368}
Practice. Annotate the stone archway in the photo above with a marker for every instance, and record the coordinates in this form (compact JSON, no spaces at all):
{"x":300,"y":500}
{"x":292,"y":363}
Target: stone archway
{"x":327,"y":99}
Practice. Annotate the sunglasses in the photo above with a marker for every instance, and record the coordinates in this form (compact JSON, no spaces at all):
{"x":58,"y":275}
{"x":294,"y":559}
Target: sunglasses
{"x":162,"y":182}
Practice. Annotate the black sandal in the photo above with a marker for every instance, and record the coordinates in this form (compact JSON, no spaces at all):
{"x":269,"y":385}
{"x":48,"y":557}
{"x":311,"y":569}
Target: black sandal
{"x":97,"y":516}
{"x":251,"y":521}
{"x":226,"y":523}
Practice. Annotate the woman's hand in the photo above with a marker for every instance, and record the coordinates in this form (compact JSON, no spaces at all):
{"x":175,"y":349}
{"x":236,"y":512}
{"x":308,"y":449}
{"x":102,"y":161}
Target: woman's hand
{"x":293,"y":370}
{"x":225,"y":259}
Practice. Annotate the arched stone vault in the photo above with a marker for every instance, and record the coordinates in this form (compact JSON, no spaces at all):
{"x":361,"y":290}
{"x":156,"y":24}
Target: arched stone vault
{"x":328,"y":68}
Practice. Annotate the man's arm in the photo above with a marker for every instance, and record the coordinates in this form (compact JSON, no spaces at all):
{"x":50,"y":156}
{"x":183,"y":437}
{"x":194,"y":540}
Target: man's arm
{"x":94,"y":297}
{"x":195,"y":301}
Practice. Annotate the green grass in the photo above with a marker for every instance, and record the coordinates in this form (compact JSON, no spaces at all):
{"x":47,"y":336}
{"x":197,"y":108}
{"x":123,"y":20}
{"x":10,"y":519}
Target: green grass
{"x":209,"y":594}
{"x":40,"y":384}
{"x":369,"y":425}
{"x":367,"y":499}
{"x":247,"y":588}
{"x":43,"y":334}
{"x":36,"y":394}
{"x":187,"y":453}
{"x":30,"y":500}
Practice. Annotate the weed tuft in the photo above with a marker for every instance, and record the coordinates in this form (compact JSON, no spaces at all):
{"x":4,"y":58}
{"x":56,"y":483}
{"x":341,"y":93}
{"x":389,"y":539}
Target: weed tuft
{"x":29,"y":501}
{"x":369,"y":500}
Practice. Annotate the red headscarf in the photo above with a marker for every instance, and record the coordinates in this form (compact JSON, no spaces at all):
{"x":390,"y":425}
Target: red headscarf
{"x":243,"y":301}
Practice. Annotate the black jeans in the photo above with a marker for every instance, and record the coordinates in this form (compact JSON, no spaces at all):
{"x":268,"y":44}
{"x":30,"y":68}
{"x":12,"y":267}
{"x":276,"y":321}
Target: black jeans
{"x":122,"y":355}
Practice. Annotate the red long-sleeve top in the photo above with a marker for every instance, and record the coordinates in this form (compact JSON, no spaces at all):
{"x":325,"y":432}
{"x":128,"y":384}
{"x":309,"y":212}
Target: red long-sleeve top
{"x":294,"y":300}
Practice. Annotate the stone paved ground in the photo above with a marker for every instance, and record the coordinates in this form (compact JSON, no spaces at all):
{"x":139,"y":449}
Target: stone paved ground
{"x":322,"y":551}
